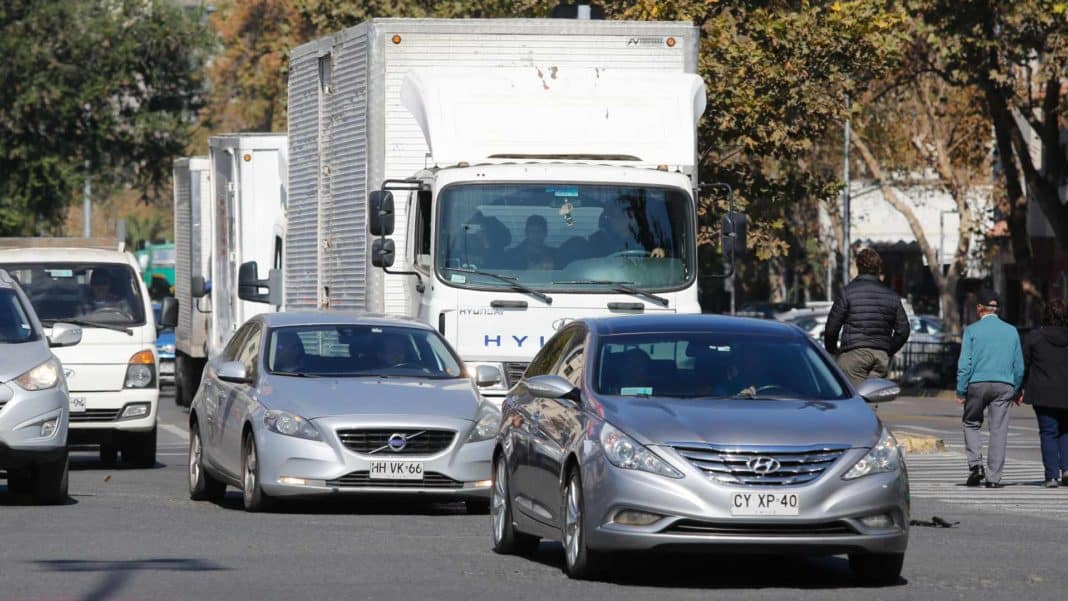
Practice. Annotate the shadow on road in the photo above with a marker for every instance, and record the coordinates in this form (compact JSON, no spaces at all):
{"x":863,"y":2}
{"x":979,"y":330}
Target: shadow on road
{"x":9,"y":499}
{"x":355,"y":506}
{"x":117,"y":574}
{"x":84,"y":461}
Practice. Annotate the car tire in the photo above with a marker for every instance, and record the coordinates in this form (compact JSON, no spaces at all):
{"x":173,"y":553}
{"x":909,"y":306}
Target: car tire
{"x":477,"y":506}
{"x":253,"y":497}
{"x":109,"y":454}
{"x":877,"y":569}
{"x":202,"y":485}
{"x":139,"y":449}
{"x":580,"y":562}
{"x":179,"y":384}
{"x":506,"y":539}
{"x":50,"y":482}
{"x":19,"y":483}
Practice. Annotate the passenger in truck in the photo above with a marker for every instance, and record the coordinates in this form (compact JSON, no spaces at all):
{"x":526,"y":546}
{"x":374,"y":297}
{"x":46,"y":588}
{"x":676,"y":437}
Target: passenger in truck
{"x":482,"y":242}
{"x":532,"y":252}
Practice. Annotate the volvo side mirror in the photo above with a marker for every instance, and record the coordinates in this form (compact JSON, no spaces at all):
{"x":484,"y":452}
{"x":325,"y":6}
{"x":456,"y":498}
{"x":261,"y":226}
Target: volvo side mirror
{"x":383,"y":253}
{"x":487,"y":375}
{"x":380,"y":219}
{"x":234,"y":372}
{"x":168,"y":313}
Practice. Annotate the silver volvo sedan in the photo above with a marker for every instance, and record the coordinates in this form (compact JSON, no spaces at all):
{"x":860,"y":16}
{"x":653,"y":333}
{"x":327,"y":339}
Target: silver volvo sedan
{"x":697,"y":433}
{"x":305,"y":404}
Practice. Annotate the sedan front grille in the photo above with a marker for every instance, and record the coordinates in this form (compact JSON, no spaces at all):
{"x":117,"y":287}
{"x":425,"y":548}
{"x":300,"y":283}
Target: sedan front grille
{"x":95,"y":415}
{"x":761,"y":466}
{"x":513,"y":372}
{"x":419,"y":441}
{"x":362,"y":479}
{"x":761,"y":529}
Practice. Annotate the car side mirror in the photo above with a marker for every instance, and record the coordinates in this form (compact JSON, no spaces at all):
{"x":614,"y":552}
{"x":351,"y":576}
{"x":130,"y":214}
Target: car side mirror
{"x":487,"y":375}
{"x":550,"y":387}
{"x":234,"y":372}
{"x":380,"y":221}
{"x":878,"y":390}
{"x":64,"y":334}
{"x":197,"y":288}
{"x":383,"y":253}
{"x":249,"y":285}
{"x":168,"y":313}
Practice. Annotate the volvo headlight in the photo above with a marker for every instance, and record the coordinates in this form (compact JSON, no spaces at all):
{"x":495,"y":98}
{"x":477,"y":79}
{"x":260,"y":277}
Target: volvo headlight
{"x":883,"y":457}
{"x":42,"y":377}
{"x":625,"y":452}
{"x":289,"y":424}
{"x":487,"y":422}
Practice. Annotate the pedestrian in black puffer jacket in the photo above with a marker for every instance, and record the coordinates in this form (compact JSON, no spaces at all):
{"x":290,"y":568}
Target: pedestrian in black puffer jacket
{"x":1045,"y":354}
{"x":871,"y":320}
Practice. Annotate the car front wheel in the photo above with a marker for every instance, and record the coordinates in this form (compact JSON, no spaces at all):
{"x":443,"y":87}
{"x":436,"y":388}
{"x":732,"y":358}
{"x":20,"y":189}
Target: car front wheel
{"x":50,"y":482}
{"x":202,"y":486}
{"x":255,"y":499}
{"x":877,"y":569}
{"x":580,"y":562}
{"x":506,"y":539}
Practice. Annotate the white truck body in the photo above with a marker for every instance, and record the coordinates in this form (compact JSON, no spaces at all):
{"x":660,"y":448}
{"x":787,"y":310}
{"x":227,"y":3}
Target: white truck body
{"x":192,"y":244}
{"x":576,"y":107}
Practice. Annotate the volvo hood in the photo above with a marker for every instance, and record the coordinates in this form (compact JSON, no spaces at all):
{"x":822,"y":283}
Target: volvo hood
{"x":327,"y":397}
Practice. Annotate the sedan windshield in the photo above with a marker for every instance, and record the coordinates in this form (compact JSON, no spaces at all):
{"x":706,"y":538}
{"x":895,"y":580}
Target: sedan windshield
{"x":714,"y":365}
{"x":15,"y":326}
{"x":556,"y":237}
{"x":346,"y":350}
{"x":108,"y":294}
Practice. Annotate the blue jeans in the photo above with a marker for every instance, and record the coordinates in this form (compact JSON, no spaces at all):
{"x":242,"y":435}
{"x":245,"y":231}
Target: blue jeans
{"x":1053,"y":434}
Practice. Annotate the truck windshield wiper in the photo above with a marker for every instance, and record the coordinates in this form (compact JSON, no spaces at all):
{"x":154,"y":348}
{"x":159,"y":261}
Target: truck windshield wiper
{"x":624,"y":287}
{"x":511,"y":281}
{"x":88,"y":324}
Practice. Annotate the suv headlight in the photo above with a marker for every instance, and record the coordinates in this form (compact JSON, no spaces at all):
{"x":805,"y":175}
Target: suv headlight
{"x":288,"y":424}
{"x":625,"y":452}
{"x":883,"y":457}
{"x":42,"y":377}
{"x":487,"y":422}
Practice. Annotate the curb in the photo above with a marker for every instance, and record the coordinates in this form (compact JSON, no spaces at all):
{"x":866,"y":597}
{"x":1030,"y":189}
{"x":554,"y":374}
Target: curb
{"x":919,"y":443}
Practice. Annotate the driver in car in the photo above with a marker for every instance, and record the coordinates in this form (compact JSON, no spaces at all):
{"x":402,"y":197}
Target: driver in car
{"x":392,"y":351}
{"x":619,"y":234}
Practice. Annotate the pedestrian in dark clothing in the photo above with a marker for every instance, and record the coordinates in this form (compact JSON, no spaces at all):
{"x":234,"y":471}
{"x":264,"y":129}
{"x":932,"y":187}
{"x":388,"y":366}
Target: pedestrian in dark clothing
{"x":871,"y":321}
{"x":989,"y":374}
{"x":1045,"y":354}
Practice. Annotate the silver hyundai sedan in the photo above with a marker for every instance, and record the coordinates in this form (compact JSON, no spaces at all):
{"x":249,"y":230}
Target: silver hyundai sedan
{"x":321,"y":403}
{"x":702,"y":433}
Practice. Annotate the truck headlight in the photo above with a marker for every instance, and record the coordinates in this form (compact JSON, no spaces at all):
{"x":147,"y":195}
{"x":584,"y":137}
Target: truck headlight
{"x":625,"y":452}
{"x":883,"y":457}
{"x":41,"y":377}
{"x":141,"y":371}
{"x":487,"y":422}
{"x":288,"y":424}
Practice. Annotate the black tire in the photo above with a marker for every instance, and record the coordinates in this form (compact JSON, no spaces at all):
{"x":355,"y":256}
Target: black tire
{"x":109,"y":454}
{"x":506,"y":539}
{"x":50,"y":482}
{"x":139,"y":449}
{"x":580,"y":562}
{"x":19,"y":483}
{"x":202,"y":485}
{"x":877,"y":569}
{"x":253,"y":497}
{"x":179,"y":383}
{"x":477,"y":506}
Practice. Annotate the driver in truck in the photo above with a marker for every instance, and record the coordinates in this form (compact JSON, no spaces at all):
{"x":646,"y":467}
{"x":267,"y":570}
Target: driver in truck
{"x":101,"y":294}
{"x":619,"y":234}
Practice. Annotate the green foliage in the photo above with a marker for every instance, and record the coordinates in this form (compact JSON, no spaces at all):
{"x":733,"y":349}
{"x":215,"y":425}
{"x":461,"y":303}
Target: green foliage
{"x":141,"y":230}
{"x":113,"y":82}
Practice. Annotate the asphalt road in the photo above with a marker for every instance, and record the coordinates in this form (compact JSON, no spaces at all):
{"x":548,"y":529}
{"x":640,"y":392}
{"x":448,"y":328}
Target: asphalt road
{"x":134,"y":534}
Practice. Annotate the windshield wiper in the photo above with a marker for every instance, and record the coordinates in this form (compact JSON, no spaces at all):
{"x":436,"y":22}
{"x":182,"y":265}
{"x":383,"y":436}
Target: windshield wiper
{"x":511,"y":281}
{"x":88,"y":324}
{"x":624,"y":287}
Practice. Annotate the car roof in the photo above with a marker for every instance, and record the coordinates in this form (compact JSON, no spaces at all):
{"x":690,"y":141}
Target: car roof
{"x":641,"y":324}
{"x":307,"y":318}
{"x":65,"y":255}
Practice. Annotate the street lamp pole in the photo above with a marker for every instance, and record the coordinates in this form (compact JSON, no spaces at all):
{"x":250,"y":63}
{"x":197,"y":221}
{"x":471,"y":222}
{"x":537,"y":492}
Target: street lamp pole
{"x":845,"y":200}
{"x":87,"y":189}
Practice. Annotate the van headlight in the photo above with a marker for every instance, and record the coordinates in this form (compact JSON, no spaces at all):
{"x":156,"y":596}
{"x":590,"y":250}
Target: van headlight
{"x":141,"y":370}
{"x":883,"y":457}
{"x":288,"y":424}
{"x":487,"y":422}
{"x":625,"y":452}
{"x":41,"y":377}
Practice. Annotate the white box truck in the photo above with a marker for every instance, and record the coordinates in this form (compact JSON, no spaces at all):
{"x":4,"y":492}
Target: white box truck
{"x":494,"y":178}
{"x":230,"y":209}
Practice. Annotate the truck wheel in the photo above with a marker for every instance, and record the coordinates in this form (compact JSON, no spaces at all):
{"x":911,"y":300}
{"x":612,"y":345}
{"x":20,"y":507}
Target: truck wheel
{"x":50,"y":482}
{"x":202,"y":485}
{"x":183,"y":396}
{"x":139,"y":449}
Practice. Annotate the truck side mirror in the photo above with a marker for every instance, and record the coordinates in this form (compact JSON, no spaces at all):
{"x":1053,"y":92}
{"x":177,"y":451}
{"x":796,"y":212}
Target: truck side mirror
{"x":168,"y":312}
{"x":383,"y":253}
{"x":197,"y":288}
{"x":735,"y":235}
{"x":249,"y":285}
{"x":380,"y":220}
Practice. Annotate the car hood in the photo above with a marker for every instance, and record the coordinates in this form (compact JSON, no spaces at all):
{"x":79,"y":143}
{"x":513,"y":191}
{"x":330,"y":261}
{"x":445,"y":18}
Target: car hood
{"x":17,"y":359}
{"x":744,"y":421}
{"x":330,"y":397}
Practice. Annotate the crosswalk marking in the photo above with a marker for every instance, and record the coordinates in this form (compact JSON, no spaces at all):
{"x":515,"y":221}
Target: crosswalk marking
{"x":941,"y":476}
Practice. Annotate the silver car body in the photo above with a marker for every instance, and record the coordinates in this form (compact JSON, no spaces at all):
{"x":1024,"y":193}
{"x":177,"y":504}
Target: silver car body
{"x":543,"y":439}
{"x":296,"y":467}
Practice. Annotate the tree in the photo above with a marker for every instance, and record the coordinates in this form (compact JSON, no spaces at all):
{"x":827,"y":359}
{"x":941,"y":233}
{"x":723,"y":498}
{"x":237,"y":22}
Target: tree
{"x":109,"y":85}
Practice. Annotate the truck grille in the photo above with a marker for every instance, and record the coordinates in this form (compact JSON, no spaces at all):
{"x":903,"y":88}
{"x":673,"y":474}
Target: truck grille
{"x":95,"y":415}
{"x":743,"y":464}
{"x":765,"y":529}
{"x":362,"y":479}
{"x":513,"y":372}
{"x":420,"y":441}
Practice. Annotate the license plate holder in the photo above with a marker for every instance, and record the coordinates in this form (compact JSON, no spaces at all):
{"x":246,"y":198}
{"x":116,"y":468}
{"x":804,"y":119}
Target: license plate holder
{"x":765,"y":503}
{"x":396,"y":470}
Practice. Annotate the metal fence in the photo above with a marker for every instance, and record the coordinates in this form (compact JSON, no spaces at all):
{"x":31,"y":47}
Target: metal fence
{"x":926,"y":365}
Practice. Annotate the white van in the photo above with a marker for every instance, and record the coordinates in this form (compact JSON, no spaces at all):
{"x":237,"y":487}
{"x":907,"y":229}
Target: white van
{"x":113,"y":375}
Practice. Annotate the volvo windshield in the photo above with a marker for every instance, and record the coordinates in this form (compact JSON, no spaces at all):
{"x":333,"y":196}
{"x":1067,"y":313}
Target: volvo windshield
{"x":573,"y":237}
{"x":107,"y":295}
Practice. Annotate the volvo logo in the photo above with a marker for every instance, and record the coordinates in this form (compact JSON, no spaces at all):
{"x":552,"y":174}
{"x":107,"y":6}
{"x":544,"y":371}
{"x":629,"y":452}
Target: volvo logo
{"x":397,"y":442}
{"x":563,"y":321}
{"x":763,"y":465}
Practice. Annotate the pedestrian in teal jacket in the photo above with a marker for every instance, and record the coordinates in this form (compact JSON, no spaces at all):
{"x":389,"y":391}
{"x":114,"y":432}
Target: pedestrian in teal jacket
{"x":989,"y":374}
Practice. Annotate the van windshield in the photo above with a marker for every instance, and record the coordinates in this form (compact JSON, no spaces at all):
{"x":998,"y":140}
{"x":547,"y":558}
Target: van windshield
{"x":556,"y":237}
{"x":105,"y":293}
{"x":15,"y":326}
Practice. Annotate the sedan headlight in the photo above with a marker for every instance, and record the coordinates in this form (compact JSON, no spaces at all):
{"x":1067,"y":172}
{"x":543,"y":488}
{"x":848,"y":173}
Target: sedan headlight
{"x":625,"y":452}
{"x":42,"y":377}
{"x":487,"y":422}
{"x":883,"y":457}
{"x":289,"y":424}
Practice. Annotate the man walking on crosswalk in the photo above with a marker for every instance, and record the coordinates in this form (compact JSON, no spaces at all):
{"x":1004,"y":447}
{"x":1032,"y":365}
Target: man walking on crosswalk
{"x":989,"y":374}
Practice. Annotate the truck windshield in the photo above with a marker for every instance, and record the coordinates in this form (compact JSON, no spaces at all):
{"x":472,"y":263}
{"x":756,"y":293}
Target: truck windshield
{"x":105,"y":293}
{"x":15,"y":326}
{"x":564,"y":236}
